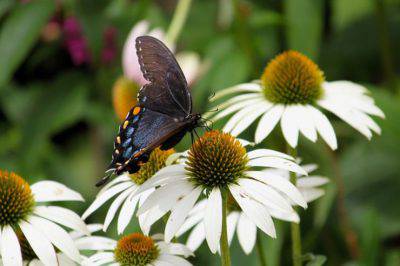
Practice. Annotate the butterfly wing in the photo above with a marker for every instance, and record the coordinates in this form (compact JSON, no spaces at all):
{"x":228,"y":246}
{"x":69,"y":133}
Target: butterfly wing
{"x":142,"y":131}
{"x":167,"y":91}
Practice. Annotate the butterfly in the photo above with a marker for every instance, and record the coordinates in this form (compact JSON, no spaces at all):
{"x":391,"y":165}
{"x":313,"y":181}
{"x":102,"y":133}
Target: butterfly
{"x":163,"y":114}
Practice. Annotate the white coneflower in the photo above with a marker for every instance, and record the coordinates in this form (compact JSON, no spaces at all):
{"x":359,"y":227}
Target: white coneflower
{"x":140,"y":250}
{"x":290,"y":90}
{"x":126,"y":186}
{"x":24,"y":222}
{"x":237,"y":220}
{"x":82,"y":241}
{"x":217,"y":164}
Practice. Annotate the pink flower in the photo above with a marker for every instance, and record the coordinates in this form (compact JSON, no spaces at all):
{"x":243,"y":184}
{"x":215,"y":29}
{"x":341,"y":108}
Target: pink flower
{"x":109,"y":52}
{"x":75,"y":42}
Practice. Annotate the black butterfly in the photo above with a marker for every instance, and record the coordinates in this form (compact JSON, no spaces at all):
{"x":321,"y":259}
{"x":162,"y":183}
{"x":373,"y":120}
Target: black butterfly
{"x":163,"y":114}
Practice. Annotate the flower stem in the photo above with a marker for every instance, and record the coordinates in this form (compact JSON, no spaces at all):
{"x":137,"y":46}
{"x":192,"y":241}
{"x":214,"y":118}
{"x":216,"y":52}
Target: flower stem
{"x":295,"y":227}
{"x":180,"y":15}
{"x":344,"y":220}
{"x":260,"y":250}
{"x":224,"y":246}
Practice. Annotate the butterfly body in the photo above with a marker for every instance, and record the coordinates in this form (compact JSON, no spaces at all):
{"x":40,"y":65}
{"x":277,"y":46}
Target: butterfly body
{"x":163,"y":114}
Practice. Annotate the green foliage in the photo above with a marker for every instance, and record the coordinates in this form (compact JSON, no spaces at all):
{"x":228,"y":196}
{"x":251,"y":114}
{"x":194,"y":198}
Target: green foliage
{"x":19,"y":33}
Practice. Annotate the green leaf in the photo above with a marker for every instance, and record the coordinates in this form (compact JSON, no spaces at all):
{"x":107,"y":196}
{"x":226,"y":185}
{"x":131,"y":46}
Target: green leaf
{"x":5,"y":6}
{"x":304,"y":25}
{"x":316,"y":260}
{"x":346,"y":12}
{"x":19,"y":33}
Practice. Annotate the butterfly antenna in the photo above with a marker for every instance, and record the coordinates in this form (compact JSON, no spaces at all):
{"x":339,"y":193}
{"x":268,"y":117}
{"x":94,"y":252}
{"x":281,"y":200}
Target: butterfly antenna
{"x":106,"y":178}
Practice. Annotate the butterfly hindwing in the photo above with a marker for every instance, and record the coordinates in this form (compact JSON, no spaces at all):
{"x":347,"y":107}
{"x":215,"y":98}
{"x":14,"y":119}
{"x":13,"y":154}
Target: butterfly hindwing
{"x":141,"y":132}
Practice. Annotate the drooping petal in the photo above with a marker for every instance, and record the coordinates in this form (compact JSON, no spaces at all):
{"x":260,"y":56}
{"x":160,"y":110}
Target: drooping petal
{"x":242,"y":114}
{"x":324,"y":127}
{"x":10,"y":249}
{"x":58,"y":236}
{"x":232,"y":101}
{"x":95,"y":243}
{"x":311,"y":194}
{"x":250,"y":118}
{"x":245,"y":87}
{"x":115,"y":205}
{"x":196,"y":237}
{"x":235,"y":107}
{"x":312,"y":181}
{"x":289,"y":126}
{"x":231,"y":222}
{"x":39,"y":243}
{"x":247,"y":233}
{"x":258,"y":213}
{"x":104,"y":197}
{"x":268,"y":153}
{"x":280,"y":184}
{"x":279,"y":163}
{"x":174,"y":260}
{"x":174,"y":249}
{"x":44,"y":191}
{"x":268,"y":122}
{"x":180,"y":212}
{"x":62,"y":216}
{"x":213,"y":219}
{"x":306,"y":125}
{"x":127,"y":211}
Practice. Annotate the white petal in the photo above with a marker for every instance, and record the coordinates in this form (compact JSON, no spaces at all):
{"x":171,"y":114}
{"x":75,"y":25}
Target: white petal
{"x":100,"y":200}
{"x":231,"y":222}
{"x":350,"y":116}
{"x":196,"y":237}
{"x":247,"y":233}
{"x":115,"y":205}
{"x":53,"y":191}
{"x":311,"y":194}
{"x":323,"y":127}
{"x":100,"y":258}
{"x":39,"y":243}
{"x":213,"y":219}
{"x":258,"y":213}
{"x":290,"y":216}
{"x":310,"y":167}
{"x":127,"y":211}
{"x":95,"y":243}
{"x":191,"y":221}
{"x":268,"y":122}
{"x":237,"y":118}
{"x":306,"y":124}
{"x":249,"y":87}
{"x":122,"y":178}
{"x":10,"y":249}
{"x":279,"y":163}
{"x":289,"y":126}
{"x":174,"y":249}
{"x":311,"y":181}
{"x":166,"y":175}
{"x":174,"y":260}
{"x":180,"y":212}
{"x":265,"y":194}
{"x":235,"y":107}
{"x":268,"y":153}
{"x":62,"y":216}
{"x":160,"y":263}
{"x":280,"y":184}
{"x":57,"y":236}
{"x":235,"y":99}
{"x":249,"y":119}
{"x":166,"y":196}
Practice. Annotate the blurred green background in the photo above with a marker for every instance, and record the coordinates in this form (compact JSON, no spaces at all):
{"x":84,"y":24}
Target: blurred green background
{"x":57,"y":120}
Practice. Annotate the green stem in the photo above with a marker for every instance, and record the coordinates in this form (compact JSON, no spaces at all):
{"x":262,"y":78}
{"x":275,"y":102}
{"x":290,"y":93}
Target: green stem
{"x":260,"y":249}
{"x":180,"y":15}
{"x":224,"y":246}
{"x":295,"y":227}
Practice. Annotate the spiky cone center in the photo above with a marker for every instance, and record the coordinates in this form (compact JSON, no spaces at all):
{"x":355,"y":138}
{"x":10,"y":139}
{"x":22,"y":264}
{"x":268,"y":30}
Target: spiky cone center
{"x":135,"y":250}
{"x":216,"y":159}
{"x":157,"y":160}
{"x":16,"y":199}
{"x":124,"y":95}
{"x":292,"y":78}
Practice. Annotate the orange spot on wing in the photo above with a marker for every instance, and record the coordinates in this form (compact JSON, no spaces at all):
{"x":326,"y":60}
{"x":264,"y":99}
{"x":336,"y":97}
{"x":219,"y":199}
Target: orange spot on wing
{"x":136,"y":110}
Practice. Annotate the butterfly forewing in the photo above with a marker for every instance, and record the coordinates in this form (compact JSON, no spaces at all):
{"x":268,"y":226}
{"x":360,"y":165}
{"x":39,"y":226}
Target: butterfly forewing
{"x":168,"y":92}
